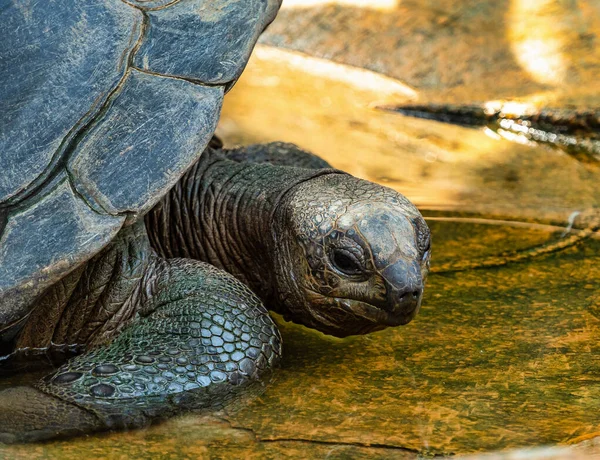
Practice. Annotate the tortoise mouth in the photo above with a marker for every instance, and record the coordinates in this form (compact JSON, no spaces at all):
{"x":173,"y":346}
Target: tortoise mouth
{"x":342,"y":316}
{"x":375,"y":315}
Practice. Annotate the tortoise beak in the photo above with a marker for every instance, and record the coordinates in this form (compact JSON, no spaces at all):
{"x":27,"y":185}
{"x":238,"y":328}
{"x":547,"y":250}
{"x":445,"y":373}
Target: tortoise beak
{"x":404,"y":291}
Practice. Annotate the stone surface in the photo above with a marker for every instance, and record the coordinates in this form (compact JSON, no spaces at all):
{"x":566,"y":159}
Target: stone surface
{"x":204,"y":40}
{"x":154,"y":130}
{"x":450,"y":51}
{"x":60,"y":60}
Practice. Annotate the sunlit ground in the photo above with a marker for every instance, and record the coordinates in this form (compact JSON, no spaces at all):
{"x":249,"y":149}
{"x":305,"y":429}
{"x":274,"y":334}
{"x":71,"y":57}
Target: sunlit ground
{"x":540,"y":44}
{"x":544,"y":51}
{"x":371,"y":4}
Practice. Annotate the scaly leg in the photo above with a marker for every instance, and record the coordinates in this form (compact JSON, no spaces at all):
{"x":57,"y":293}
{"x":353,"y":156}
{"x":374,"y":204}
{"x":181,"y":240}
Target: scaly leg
{"x":198,"y":338}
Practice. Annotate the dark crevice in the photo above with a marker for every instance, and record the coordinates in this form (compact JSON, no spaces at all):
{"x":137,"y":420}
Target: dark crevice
{"x":576,"y":132}
{"x":3,"y":220}
{"x":339,"y":443}
{"x":155,"y":8}
{"x":94,"y":206}
{"x":253,"y":434}
{"x":55,"y":164}
{"x":178,"y":77}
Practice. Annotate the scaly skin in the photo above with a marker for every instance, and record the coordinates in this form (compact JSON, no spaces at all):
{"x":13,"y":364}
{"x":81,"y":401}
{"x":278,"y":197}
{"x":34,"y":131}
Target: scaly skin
{"x":165,"y":332}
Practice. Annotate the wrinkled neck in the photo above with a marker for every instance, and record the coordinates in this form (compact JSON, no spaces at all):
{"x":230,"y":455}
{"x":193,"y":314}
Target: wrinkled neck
{"x":221,"y":212}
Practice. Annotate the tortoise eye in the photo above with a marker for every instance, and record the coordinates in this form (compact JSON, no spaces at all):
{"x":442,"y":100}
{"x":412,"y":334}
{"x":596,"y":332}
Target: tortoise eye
{"x":346,"y":262}
{"x":426,"y":249}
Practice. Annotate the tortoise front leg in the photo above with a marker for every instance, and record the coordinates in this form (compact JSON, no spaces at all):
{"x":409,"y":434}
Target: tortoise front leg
{"x":199,"y":339}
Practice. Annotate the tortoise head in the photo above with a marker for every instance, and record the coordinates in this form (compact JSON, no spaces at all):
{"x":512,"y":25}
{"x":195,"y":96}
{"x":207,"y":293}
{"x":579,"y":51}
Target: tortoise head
{"x":352,"y":256}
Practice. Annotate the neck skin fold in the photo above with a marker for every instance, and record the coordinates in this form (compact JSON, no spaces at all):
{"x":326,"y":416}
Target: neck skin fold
{"x":221,"y":212}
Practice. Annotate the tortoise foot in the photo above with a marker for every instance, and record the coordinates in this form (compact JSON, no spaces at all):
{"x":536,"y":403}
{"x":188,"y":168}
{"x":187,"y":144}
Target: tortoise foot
{"x":28,"y":415}
{"x":201,"y":339}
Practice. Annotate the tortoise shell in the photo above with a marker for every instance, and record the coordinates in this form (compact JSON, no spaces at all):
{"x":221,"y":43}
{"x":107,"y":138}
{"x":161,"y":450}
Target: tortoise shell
{"x":105,"y":104}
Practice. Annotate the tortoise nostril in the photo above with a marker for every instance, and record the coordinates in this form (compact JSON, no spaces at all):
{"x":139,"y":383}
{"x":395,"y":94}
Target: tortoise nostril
{"x":410,"y":296}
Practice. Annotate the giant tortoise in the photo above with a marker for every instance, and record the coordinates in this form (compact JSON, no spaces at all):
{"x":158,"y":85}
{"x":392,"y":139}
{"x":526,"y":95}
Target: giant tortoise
{"x":128,"y":239}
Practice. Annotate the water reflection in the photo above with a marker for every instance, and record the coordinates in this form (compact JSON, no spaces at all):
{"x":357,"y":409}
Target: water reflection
{"x":576,"y":132}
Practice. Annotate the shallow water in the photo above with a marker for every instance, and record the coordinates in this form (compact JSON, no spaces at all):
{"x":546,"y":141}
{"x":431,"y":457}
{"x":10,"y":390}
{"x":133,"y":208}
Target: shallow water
{"x":502,"y":355}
